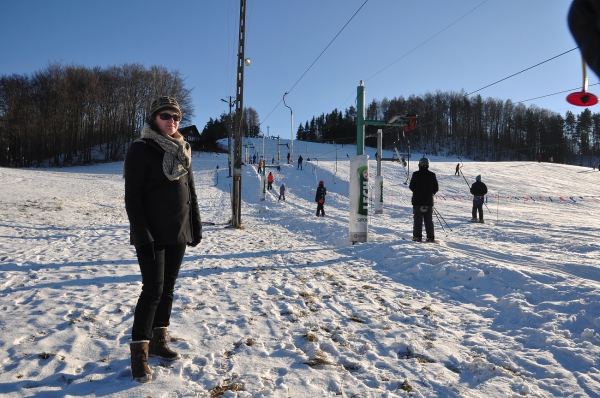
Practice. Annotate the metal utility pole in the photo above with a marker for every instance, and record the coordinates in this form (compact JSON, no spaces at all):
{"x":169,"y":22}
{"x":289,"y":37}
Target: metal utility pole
{"x":291,"y":128}
{"x":360,"y":119}
{"x":359,"y":167}
{"x":236,"y":219}
{"x":229,"y":132}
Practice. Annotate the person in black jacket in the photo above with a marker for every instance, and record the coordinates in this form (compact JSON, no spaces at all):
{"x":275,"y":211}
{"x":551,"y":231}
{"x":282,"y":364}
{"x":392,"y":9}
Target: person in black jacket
{"x":423,"y":185}
{"x":584,"y":24}
{"x":162,"y":207}
{"x":478,"y":190}
{"x":320,"y":198}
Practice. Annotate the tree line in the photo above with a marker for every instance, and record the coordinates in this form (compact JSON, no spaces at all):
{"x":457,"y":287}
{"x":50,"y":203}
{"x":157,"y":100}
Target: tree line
{"x":59,"y":115}
{"x":219,"y":128}
{"x":451,"y":123}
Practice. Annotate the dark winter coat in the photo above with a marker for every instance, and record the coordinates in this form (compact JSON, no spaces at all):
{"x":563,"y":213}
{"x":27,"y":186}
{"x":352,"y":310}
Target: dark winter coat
{"x":583,"y":22}
{"x":161,"y":211}
{"x":423,"y":185}
{"x":321,"y":193}
{"x":478,"y":189}
{"x":300,"y":159}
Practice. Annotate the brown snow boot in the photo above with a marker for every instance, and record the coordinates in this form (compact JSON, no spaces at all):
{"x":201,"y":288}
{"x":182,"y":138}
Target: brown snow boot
{"x":139,"y":361}
{"x":159,"y":347}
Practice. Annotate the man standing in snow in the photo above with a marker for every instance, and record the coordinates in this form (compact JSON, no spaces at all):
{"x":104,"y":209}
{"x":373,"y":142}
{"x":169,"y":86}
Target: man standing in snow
{"x":423,"y":185}
{"x":320,"y":198}
{"x":270,"y":180}
{"x":478,"y":190}
{"x":300,"y":162}
{"x":457,"y":169}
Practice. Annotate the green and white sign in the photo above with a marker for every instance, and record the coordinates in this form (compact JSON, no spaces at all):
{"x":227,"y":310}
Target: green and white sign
{"x":359,"y":198}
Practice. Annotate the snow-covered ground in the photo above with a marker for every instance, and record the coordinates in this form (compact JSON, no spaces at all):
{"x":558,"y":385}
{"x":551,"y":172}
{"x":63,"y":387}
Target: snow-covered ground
{"x":288,"y":307}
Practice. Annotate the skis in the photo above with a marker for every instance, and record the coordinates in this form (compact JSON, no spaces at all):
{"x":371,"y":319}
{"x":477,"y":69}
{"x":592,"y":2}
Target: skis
{"x":486,"y":222}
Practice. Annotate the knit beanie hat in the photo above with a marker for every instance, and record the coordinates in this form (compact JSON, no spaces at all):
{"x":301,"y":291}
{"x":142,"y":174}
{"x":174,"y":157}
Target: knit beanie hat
{"x":478,"y":178}
{"x":162,"y":103}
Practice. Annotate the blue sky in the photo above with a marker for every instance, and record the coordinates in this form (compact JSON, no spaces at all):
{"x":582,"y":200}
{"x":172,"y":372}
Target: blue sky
{"x":396,"y":47}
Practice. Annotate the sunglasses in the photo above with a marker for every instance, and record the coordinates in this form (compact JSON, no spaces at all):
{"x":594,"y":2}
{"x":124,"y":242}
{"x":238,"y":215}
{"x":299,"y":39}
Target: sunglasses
{"x":168,"y":116}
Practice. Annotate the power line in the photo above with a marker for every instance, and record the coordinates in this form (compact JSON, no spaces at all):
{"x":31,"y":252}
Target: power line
{"x":531,"y":67}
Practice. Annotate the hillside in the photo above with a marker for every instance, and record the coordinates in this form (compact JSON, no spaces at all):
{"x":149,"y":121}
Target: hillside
{"x":287,"y":307}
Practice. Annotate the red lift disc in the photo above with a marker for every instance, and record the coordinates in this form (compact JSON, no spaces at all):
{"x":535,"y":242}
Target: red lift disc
{"x":582,"y":98}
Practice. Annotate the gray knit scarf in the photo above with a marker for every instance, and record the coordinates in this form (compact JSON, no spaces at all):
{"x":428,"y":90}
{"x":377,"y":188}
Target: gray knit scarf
{"x":178,"y":154}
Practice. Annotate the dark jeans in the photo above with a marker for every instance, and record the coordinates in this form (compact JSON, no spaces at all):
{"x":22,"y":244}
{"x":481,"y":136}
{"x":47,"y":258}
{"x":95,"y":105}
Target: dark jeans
{"x":321,"y":209}
{"x":419,"y":218}
{"x":154,"y":305}
{"x":477,"y":207}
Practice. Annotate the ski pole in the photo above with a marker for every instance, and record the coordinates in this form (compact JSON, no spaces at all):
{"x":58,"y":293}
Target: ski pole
{"x":465,"y":178}
{"x":440,"y":215}
{"x":438,"y":218}
{"x":488,"y":209}
{"x":497,"y":205}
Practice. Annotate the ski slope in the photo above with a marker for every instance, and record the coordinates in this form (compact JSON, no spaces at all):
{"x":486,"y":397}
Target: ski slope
{"x":287,"y":307}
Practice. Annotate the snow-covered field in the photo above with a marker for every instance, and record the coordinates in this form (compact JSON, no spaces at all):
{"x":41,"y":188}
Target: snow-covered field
{"x":287,"y":307}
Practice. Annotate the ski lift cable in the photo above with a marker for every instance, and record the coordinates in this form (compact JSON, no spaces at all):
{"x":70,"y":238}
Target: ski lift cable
{"x":319,"y":56}
{"x":431,"y":38}
{"x":559,"y":92}
{"x":415,"y":48}
{"x":531,"y":67}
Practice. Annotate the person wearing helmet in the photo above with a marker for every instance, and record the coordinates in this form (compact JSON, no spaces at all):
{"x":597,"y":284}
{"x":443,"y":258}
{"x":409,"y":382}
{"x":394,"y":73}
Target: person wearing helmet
{"x":478,"y":190}
{"x":423,"y":185}
{"x":320,"y":198}
{"x":162,"y":208}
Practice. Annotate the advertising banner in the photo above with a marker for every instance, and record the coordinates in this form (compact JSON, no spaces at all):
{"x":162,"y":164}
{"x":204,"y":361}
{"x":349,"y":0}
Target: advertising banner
{"x":359,"y":198}
{"x":378,"y":195}
{"x":263,"y":187}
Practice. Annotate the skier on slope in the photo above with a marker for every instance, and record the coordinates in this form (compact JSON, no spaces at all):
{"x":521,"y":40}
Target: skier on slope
{"x":423,"y":185}
{"x":320,"y":198}
{"x":281,"y":192}
{"x":478,"y":190}
{"x":457,"y":169}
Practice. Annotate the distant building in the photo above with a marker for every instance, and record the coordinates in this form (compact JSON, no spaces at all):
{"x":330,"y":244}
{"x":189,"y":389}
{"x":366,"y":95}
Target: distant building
{"x":191,"y":134}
